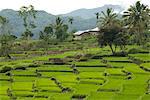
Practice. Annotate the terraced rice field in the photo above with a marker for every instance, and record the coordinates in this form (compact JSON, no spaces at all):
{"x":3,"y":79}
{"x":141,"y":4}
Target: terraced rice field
{"x":95,"y":78}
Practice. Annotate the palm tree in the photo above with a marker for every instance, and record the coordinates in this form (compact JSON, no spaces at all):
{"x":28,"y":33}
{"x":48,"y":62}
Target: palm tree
{"x":109,"y":28}
{"x":137,"y":19}
{"x":108,"y":18}
{"x":70,"y":20}
{"x":59,"y":21}
{"x":60,"y":29}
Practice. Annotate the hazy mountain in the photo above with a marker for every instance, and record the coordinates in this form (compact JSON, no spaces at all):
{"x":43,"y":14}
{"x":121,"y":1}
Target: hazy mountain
{"x":90,"y":13}
{"x":16,"y":23}
{"x":83,"y":19}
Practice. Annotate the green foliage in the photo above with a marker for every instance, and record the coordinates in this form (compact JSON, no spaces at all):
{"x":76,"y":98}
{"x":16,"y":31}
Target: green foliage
{"x":134,"y":50}
{"x":55,"y":31}
{"x":27,"y":34}
{"x":28,"y":14}
{"x":2,"y":20}
{"x":6,"y":41}
{"x":122,"y":39}
{"x":48,"y":34}
{"x":5,"y":69}
{"x":78,"y":96}
{"x":137,"y":20}
{"x":110,"y":30}
{"x":5,"y":27}
{"x":60,"y":29}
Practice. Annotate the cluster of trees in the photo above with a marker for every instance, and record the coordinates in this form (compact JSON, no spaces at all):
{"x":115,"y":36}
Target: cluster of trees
{"x":58,"y":30}
{"x":7,"y":39}
{"x":115,"y":31}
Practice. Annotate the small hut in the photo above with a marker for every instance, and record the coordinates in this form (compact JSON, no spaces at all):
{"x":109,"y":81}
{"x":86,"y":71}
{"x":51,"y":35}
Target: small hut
{"x":86,"y":33}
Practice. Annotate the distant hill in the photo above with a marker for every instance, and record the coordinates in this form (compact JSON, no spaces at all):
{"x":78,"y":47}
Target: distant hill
{"x":90,"y":13}
{"x":83,"y":19}
{"x":16,"y":22}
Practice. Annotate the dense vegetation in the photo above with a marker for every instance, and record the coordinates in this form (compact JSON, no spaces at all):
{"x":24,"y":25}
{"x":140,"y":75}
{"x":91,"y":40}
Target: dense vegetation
{"x":115,"y":65}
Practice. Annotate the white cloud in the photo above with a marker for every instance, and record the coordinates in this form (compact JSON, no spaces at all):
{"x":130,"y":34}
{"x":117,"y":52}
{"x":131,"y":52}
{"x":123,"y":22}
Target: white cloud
{"x":64,"y":6}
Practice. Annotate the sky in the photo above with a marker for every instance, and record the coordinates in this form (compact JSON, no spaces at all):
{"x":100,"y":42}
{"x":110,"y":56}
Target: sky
{"x":64,"y":6}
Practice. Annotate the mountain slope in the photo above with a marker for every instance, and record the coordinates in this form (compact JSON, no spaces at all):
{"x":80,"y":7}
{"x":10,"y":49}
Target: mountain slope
{"x":16,"y":22}
{"x":90,"y":13}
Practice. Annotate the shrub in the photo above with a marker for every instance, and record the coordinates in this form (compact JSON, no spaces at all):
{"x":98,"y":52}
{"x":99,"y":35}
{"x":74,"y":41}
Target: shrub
{"x":126,"y":72}
{"x":39,"y":74}
{"x":83,"y":59}
{"x":68,"y":59}
{"x":67,"y":89}
{"x":58,"y":61}
{"x":8,"y":74}
{"x":134,"y":50}
{"x":88,"y":55}
{"x":105,"y":74}
{"x":53,"y":78}
{"x":136,"y":61}
{"x":73,"y":66}
{"x":78,"y":56}
{"x":147,"y":46}
{"x":78,"y":78}
{"x":104,"y":61}
{"x":79,"y":96}
{"x":5,"y":69}
{"x":20,"y":68}
{"x":129,"y":77}
{"x":75,"y":71}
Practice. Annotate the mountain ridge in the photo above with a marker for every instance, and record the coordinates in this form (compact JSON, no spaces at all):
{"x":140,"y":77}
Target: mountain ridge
{"x":89,"y":13}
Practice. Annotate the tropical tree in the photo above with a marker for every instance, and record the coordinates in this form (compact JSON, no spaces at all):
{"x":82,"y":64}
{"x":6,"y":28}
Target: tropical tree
{"x":3,"y":21}
{"x":4,"y":25}
{"x":109,"y":29}
{"x":28,"y":14}
{"x":47,"y":34}
{"x":6,"y":39}
{"x":6,"y":42}
{"x":71,"y":29}
{"x":60,"y":29}
{"x":57,"y":31}
{"x":137,"y":18}
{"x":122,"y":39}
